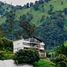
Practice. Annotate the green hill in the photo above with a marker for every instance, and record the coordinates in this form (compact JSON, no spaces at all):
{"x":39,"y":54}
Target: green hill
{"x":46,"y":20}
{"x":43,"y":10}
{"x":58,"y":5}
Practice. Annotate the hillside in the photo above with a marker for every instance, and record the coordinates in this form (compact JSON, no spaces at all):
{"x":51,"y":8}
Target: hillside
{"x":42,"y":11}
{"x":46,"y":20}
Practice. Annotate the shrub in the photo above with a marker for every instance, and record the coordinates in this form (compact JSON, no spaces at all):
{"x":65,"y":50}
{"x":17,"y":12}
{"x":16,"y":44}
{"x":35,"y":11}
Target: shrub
{"x":28,"y":56}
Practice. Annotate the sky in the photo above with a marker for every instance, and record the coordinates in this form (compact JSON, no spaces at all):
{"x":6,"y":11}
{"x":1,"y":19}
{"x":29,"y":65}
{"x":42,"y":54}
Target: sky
{"x":18,"y":2}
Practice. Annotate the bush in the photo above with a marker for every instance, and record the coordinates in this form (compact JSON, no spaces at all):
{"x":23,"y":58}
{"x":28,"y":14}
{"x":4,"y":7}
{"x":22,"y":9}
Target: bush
{"x":28,"y":56}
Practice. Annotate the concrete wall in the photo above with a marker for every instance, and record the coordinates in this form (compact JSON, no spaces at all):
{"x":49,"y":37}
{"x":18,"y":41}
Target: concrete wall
{"x":10,"y":63}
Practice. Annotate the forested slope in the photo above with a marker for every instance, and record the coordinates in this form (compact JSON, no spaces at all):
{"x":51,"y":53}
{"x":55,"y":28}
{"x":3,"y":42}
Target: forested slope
{"x":46,"y":20}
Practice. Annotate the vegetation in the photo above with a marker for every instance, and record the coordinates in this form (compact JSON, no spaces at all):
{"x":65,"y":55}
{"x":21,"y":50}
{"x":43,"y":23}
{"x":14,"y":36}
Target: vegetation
{"x":44,"y":63}
{"x":26,"y":56}
{"x":61,"y":61}
{"x":42,"y":19}
{"x":24,"y":23}
{"x":6,"y":49}
{"x":46,"y":20}
{"x":59,"y":56}
{"x":5,"y":55}
{"x":53,"y":29}
{"x":6,"y":44}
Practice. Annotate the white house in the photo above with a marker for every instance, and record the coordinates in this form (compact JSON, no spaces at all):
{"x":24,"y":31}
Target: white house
{"x":29,"y":43}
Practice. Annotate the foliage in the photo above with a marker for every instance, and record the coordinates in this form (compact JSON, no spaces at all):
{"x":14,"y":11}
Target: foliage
{"x":26,"y":56}
{"x":65,"y":11}
{"x":6,"y":49}
{"x":61,"y":50}
{"x":1,"y":34}
{"x":4,"y":8}
{"x":6,"y":44}
{"x":24,"y":23}
{"x":5,"y":54}
{"x":8,"y":27}
{"x":54,"y":9}
{"x":36,"y":6}
{"x":52,"y":30}
{"x":59,"y":56}
{"x":1,"y":56}
{"x":44,"y":63}
{"x":61,"y":60}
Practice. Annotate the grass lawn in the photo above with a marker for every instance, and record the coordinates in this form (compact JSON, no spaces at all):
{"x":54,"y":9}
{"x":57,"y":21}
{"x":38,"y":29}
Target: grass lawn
{"x":44,"y":63}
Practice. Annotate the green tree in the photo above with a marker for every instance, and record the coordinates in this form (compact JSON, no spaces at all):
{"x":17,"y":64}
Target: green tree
{"x":28,"y":56}
{"x":36,"y":6}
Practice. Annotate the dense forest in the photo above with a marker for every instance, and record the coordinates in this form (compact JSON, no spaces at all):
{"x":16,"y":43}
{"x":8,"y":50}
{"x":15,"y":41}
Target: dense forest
{"x":46,"y":20}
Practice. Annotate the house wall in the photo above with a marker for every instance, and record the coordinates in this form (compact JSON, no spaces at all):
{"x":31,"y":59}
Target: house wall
{"x":21,"y":44}
{"x":10,"y":63}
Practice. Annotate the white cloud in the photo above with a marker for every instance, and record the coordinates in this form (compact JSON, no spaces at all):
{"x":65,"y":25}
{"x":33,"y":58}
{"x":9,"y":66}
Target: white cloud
{"x":17,"y":2}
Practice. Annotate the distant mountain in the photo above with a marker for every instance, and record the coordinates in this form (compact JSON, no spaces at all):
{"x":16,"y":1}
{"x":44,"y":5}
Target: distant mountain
{"x":46,"y":20}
